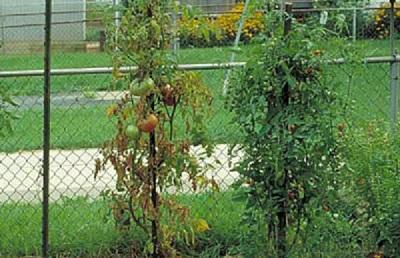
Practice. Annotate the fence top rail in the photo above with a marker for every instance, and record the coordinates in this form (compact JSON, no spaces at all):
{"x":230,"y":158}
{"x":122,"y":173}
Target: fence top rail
{"x":108,"y":70}
{"x":356,"y":8}
{"x":188,"y":67}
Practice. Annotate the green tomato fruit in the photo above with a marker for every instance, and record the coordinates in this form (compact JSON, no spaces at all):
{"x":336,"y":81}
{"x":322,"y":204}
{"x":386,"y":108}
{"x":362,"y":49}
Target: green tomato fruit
{"x":148,"y":83}
{"x":132,"y":132}
{"x":142,"y":89}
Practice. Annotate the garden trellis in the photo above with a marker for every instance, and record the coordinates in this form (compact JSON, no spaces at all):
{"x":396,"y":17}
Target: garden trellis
{"x":79,"y":98}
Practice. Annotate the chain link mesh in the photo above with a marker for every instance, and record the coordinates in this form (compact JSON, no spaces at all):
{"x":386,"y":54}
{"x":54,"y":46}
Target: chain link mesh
{"x":79,"y":216}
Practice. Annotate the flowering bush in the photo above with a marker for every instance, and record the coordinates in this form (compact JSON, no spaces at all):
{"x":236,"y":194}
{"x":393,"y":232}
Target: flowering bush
{"x":228,"y":23}
{"x":198,"y":31}
{"x":380,"y":24}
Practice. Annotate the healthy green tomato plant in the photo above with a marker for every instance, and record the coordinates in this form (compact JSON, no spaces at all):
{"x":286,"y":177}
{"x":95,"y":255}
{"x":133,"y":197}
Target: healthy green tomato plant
{"x":288,"y":113}
{"x":147,"y":153}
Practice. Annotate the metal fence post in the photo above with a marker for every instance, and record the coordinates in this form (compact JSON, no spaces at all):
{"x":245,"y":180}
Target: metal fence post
{"x":117,"y":21}
{"x":46,"y":131}
{"x":354,"y":24}
{"x":175,"y":40}
{"x":282,"y":226}
{"x":393,"y":72}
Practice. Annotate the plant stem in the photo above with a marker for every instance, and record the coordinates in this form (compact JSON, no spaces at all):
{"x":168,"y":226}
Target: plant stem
{"x":171,"y":120}
{"x":153,"y":173}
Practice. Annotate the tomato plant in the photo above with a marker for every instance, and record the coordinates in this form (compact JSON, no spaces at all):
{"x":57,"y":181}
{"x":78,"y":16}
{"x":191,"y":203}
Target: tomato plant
{"x":147,"y":153}
{"x":289,"y":115}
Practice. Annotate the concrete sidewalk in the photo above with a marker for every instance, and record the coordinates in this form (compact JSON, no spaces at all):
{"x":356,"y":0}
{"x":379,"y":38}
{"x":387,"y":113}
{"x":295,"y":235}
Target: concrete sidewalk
{"x":72,"y":174}
{"x":69,"y":100}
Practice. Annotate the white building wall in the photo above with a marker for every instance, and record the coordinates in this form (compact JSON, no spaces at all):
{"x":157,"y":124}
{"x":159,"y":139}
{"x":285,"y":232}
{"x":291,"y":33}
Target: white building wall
{"x":23,"y":20}
{"x":211,"y":6}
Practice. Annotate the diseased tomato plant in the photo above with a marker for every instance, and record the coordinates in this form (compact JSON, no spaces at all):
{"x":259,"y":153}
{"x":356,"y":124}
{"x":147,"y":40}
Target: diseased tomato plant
{"x":163,"y":110}
{"x":288,"y":113}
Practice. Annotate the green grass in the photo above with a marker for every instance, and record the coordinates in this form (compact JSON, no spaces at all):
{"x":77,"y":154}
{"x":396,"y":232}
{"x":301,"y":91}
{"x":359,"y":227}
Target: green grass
{"x":102,"y":59}
{"x":77,"y":128}
{"x":62,"y":59}
{"x":87,"y":127}
{"x":83,"y":127}
{"x":71,"y":128}
{"x":64,"y":84}
{"x":81,"y":227}
{"x":78,"y":83}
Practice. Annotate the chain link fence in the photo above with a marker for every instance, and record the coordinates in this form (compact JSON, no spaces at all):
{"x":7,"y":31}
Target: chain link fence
{"x":80,"y":219}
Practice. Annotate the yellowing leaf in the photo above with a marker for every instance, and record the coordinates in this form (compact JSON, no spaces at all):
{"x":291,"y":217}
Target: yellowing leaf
{"x":116,"y":73}
{"x":201,"y":226}
{"x":111,"y":110}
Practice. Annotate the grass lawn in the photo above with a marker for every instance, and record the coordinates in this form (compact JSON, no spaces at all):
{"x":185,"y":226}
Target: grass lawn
{"x":62,"y":59}
{"x":103,"y":59}
{"x":85,"y":83}
{"x":64,"y":84}
{"x":88,"y":126}
{"x":34,"y":85}
{"x":82,"y":227}
{"x":82,"y":127}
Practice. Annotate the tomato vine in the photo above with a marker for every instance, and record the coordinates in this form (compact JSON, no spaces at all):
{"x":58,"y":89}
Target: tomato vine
{"x":288,"y":113}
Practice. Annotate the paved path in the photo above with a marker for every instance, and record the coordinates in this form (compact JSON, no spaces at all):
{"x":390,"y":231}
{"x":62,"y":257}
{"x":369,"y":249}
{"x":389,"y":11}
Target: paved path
{"x":71,"y":174}
{"x":71,"y":100}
